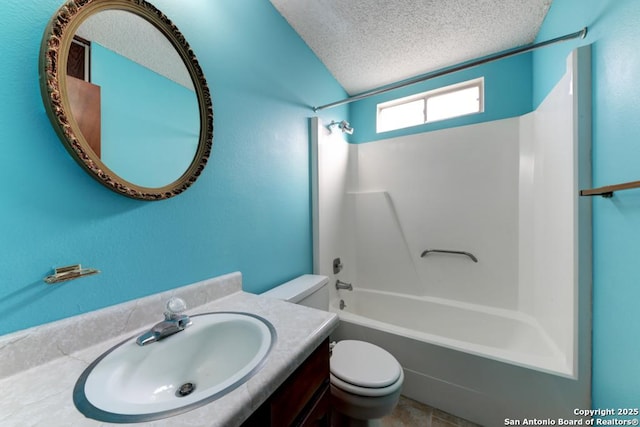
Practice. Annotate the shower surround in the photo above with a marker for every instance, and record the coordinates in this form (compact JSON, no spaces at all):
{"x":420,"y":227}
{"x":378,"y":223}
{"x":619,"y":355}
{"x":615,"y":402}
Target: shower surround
{"x":504,"y":337}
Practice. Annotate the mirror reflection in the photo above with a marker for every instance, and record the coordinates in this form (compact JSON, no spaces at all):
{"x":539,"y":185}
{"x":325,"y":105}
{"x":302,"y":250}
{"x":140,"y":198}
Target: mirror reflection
{"x":133,"y":98}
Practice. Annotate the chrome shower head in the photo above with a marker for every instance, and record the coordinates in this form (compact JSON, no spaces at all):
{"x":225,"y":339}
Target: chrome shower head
{"x":343,"y":126}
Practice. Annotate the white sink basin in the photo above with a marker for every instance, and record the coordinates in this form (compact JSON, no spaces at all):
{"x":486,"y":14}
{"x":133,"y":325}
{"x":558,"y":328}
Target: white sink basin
{"x":216,"y":354}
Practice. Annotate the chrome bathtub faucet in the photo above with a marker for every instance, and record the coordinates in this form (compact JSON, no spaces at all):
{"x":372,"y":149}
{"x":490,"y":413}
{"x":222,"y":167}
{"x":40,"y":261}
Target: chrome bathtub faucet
{"x":343,"y":285}
{"x":174,"y":321}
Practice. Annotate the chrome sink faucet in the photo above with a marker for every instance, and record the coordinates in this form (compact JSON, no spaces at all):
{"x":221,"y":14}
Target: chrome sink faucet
{"x":174,"y":321}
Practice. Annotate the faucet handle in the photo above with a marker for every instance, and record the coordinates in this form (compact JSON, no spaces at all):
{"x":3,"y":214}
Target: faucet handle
{"x":175,"y":306}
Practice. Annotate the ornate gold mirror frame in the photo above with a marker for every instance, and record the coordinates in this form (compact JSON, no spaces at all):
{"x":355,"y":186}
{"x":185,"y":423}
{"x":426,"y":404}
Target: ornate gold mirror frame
{"x":54,"y":55}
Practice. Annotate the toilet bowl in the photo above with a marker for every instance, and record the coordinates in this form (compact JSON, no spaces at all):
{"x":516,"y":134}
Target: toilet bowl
{"x":366,"y":380}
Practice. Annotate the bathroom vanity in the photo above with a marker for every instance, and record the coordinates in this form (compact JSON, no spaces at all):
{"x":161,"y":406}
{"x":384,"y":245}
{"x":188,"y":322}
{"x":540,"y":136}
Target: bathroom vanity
{"x":41,"y":365}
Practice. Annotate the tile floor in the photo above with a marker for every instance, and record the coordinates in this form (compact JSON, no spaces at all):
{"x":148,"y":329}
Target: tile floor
{"x":410,"y":413}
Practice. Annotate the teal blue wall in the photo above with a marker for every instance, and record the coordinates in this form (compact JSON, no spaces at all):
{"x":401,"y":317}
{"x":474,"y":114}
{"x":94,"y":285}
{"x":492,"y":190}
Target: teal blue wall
{"x":614,"y":31}
{"x":508,"y":91}
{"x":249,"y":211}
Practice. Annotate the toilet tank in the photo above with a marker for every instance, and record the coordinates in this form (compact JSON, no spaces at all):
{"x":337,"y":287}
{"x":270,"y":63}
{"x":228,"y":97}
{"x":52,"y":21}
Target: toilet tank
{"x":310,"y":290}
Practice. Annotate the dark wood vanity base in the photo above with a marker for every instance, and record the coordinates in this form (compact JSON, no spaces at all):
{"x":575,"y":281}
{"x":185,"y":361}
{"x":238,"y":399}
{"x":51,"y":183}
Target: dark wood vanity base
{"x":303,"y":399}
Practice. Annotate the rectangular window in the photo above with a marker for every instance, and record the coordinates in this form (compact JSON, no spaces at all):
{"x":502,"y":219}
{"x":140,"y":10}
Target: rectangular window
{"x":439,"y":104}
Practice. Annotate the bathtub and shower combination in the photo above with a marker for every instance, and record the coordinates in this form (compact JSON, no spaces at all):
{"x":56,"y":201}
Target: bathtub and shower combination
{"x":503,"y":338}
{"x":472,"y":361}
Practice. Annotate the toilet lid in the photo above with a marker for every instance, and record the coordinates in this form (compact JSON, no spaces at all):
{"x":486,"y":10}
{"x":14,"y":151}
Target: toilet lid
{"x":364,"y":364}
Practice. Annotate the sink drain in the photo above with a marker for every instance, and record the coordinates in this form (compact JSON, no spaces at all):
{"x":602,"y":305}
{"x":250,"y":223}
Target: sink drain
{"x":185,"y":389}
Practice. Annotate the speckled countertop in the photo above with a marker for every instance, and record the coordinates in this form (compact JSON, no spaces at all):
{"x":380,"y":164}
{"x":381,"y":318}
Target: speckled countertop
{"x":39,"y":366}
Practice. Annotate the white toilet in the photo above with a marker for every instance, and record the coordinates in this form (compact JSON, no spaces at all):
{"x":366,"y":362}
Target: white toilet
{"x":366,"y":380}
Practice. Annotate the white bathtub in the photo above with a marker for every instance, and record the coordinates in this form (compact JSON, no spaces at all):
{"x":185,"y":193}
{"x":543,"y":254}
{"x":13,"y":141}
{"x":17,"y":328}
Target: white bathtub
{"x":503,"y":335}
{"x":480,"y":363}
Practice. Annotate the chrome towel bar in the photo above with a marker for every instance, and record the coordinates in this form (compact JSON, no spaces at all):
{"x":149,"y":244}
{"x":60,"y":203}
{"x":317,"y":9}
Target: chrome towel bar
{"x":443,"y":251}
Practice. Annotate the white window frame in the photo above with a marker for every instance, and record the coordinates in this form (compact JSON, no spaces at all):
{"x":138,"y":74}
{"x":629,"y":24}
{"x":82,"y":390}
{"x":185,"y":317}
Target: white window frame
{"x":424,"y":96}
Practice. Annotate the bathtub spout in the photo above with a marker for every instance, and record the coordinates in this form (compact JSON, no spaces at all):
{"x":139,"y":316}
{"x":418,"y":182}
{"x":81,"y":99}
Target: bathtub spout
{"x":343,"y":285}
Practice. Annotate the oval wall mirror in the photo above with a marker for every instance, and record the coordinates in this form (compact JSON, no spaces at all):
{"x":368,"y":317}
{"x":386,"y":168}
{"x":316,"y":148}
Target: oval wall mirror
{"x":126,"y":96}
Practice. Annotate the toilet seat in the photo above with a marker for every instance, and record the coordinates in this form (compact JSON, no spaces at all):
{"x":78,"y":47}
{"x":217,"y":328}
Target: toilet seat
{"x":366,"y":391}
{"x":364,"y":369}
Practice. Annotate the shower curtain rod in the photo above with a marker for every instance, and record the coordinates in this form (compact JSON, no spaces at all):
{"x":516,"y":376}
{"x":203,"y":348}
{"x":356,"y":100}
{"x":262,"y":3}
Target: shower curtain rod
{"x":454,"y":68}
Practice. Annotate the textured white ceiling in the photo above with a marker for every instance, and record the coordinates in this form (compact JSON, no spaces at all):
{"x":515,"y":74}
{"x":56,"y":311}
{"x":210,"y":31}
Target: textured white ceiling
{"x":366,"y":44}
